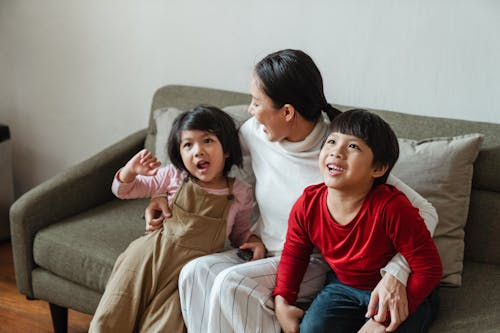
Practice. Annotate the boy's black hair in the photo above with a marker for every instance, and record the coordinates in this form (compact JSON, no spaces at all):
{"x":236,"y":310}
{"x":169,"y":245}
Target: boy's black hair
{"x":375,"y":132}
{"x":210,"y":119}
{"x":291,"y":77}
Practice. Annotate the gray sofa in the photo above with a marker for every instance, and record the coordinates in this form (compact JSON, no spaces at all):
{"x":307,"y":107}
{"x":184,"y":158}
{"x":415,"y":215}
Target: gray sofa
{"x":68,"y":231}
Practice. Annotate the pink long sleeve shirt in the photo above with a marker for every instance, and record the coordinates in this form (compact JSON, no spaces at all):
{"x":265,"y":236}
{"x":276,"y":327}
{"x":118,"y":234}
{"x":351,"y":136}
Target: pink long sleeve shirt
{"x":168,"y":180}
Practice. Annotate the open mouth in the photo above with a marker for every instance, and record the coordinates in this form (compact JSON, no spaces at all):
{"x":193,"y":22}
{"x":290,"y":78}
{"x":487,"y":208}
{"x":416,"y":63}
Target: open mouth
{"x":334,"y":169}
{"x":202,"y":165}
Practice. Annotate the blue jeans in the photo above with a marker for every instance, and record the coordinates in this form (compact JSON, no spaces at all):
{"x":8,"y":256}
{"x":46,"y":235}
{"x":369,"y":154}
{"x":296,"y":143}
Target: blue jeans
{"x":339,"y":308}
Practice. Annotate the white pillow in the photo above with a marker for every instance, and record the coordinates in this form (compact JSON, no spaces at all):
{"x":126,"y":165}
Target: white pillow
{"x":440,"y":169}
{"x":164,"y":118}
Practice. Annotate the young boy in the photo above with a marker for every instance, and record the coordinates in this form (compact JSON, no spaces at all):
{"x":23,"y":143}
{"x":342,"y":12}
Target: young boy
{"x":358,"y":223}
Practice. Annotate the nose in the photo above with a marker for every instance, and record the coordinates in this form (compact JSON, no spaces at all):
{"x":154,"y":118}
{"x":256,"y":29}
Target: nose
{"x":337,"y":153}
{"x":198,"y":150}
{"x":250,"y":110}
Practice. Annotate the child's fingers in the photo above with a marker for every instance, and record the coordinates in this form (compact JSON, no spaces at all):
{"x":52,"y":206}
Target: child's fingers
{"x":147,"y":158}
{"x":155,"y":164}
{"x":150,"y":161}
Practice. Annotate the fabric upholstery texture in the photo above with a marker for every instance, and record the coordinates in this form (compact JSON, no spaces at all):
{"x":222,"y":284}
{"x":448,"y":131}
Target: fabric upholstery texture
{"x":441,"y":169}
{"x":83,"y":248}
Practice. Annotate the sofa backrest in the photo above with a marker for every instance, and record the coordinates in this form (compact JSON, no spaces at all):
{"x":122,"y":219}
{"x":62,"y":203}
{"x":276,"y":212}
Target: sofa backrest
{"x":482,"y":231}
{"x":483,"y":224}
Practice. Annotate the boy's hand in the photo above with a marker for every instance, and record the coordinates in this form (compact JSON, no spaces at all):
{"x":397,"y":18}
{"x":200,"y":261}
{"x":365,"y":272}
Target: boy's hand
{"x":256,"y":246}
{"x":143,"y":163}
{"x":389,"y":295}
{"x":371,"y":326}
{"x":288,"y":315}
{"x":156,"y":212}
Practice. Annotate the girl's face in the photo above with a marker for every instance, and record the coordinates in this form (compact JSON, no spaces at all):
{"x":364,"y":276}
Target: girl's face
{"x":203,"y":157}
{"x":262,"y":108}
{"x":346,"y":162}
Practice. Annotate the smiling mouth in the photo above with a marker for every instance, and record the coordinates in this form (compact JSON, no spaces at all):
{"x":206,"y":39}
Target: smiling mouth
{"x":332,"y":168}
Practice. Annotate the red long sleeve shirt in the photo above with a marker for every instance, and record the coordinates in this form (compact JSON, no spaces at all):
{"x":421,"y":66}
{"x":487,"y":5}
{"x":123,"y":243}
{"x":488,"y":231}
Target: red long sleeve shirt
{"x":386,"y":224}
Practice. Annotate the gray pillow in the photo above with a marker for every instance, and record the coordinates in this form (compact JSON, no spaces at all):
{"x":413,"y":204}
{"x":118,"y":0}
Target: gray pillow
{"x":440,"y":169}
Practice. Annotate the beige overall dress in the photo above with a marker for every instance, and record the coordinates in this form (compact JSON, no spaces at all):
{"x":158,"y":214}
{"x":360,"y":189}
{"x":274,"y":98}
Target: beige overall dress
{"x":142,"y":290}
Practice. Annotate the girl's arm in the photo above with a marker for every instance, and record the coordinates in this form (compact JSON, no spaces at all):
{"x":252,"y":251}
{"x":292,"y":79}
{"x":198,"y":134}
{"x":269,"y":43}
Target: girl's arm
{"x":165,"y":180}
{"x":240,"y":231}
{"x":143,"y":163}
{"x":295,"y":256}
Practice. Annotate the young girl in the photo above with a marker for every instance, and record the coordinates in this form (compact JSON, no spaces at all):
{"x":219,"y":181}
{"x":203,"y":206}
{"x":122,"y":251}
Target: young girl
{"x":207,"y":206}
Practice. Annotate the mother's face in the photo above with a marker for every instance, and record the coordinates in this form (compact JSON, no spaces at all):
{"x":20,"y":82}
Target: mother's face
{"x":262,"y":108}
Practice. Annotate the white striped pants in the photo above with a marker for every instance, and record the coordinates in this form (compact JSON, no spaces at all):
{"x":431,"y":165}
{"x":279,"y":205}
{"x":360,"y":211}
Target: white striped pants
{"x":221,"y":293}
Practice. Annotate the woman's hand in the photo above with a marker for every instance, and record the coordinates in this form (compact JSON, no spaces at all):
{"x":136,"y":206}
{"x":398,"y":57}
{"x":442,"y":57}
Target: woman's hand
{"x":256,"y":246}
{"x":143,"y":163}
{"x":288,"y":315}
{"x":156,"y":212}
{"x":389,"y":295}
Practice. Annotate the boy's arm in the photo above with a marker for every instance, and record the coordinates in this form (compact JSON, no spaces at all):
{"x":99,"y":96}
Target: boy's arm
{"x":295,"y":256}
{"x":398,"y":266}
{"x":413,"y":240}
{"x":288,"y":315}
{"x":390,"y":293}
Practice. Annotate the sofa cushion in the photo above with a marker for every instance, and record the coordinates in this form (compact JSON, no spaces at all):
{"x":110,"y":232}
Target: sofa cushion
{"x":474,"y":307}
{"x":84,"y":247}
{"x":440,"y":169}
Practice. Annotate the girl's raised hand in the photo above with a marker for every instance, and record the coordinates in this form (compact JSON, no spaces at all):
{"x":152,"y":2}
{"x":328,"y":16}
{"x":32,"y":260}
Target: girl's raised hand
{"x":143,"y":163}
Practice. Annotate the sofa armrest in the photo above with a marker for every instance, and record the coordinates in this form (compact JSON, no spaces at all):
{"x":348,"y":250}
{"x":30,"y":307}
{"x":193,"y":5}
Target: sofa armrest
{"x":83,"y":186}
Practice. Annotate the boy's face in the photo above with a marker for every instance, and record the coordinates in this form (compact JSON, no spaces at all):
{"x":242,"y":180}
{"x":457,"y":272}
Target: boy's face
{"x":346,"y":162}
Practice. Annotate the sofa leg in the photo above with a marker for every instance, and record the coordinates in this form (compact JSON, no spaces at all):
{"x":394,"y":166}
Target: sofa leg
{"x":59,"y":318}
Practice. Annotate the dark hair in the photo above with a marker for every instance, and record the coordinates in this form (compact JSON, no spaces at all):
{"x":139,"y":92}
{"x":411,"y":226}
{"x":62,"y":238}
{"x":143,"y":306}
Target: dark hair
{"x":291,"y":77}
{"x":211,"y":119}
{"x":373,"y":130}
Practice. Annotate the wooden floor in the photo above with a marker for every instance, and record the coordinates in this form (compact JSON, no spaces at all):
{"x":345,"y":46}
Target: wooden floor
{"x":18,"y":315}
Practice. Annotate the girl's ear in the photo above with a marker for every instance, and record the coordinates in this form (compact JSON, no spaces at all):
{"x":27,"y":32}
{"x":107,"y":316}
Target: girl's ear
{"x":288,"y":112}
{"x":379,"y":170}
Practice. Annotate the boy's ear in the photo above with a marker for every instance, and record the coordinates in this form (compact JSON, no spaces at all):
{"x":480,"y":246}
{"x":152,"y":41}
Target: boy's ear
{"x":288,"y":112}
{"x":379,"y":170}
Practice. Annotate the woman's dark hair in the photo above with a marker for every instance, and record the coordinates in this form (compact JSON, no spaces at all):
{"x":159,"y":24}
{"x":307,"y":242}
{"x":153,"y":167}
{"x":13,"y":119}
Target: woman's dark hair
{"x":210,"y":119}
{"x":291,"y":77}
{"x":373,"y":130}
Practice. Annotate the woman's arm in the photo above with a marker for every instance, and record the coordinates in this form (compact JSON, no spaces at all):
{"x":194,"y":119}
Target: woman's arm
{"x":390,"y":293}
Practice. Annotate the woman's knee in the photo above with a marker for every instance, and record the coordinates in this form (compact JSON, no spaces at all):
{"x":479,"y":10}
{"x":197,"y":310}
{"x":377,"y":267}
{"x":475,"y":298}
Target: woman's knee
{"x":226,"y":280}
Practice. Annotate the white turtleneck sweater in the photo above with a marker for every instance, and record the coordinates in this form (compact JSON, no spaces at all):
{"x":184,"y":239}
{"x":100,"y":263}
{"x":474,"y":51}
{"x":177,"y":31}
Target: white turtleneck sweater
{"x":282,"y":171}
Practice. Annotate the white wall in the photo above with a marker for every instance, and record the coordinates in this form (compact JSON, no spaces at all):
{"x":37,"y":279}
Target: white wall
{"x":76,"y":76}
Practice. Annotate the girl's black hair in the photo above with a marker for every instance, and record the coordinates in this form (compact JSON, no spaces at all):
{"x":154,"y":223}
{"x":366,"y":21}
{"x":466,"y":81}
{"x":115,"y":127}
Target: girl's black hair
{"x":210,"y":119}
{"x":373,"y":130}
{"x":291,"y":77}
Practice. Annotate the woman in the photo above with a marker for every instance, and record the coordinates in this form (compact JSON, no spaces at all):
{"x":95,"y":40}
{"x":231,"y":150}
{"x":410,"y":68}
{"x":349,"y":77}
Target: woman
{"x":221,"y":293}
